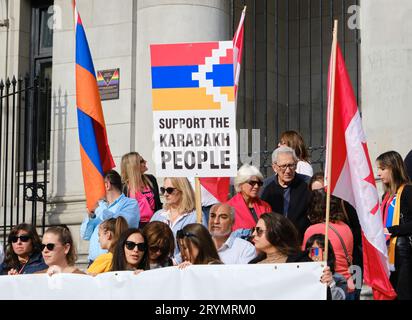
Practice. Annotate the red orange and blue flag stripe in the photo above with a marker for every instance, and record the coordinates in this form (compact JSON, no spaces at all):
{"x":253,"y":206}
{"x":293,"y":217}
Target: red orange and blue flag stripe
{"x":174,"y":86}
{"x":95,"y":153}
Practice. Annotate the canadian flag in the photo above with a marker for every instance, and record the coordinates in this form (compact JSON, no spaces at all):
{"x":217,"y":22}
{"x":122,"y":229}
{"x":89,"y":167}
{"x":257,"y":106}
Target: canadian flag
{"x":238,"y":48}
{"x":352,"y":179}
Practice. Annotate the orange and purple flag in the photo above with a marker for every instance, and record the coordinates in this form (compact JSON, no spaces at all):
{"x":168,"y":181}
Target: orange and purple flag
{"x":95,"y":153}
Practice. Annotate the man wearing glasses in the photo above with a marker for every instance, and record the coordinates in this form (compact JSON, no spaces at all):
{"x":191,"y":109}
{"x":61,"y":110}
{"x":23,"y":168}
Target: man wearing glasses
{"x":287,"y":192}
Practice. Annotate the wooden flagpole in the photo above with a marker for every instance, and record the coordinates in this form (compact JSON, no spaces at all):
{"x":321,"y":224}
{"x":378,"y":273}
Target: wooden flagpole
{"x":198,"y":200}
{"x":330,"y":134}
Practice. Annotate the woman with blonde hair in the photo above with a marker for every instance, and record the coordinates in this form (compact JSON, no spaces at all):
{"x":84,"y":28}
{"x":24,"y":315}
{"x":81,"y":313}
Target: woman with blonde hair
{"x":140,"y":186}
{"x":109,"y":233}
{"x":58,"y":250}
{"x":397,"y":219}
{"x":294,"y":140}
{"x":179,"y":207}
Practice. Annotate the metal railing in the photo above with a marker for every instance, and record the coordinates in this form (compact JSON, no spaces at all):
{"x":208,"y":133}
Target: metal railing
{"x":23,"y":179}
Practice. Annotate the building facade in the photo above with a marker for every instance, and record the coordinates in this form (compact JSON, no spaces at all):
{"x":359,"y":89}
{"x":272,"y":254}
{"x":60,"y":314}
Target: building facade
{"x":282,"y":87}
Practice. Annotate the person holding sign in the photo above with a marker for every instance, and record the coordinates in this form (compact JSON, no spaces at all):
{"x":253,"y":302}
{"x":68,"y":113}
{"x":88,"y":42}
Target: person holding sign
{"x":248,"y":206}
{"x":179,"y":208}
{"x":397,"y":219}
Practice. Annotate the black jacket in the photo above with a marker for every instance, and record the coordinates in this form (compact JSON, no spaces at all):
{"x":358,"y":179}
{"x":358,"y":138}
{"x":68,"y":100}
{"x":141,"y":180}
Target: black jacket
{"x":298,"y":205}
{"x":401,"y":278}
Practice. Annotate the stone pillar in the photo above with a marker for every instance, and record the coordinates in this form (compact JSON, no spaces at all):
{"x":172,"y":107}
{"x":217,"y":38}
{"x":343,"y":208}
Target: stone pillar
{"x":386,"y":75}
{"x":170,"y":21}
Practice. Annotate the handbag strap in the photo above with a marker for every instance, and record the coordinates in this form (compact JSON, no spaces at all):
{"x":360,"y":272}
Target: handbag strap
{"x":343,"y":245}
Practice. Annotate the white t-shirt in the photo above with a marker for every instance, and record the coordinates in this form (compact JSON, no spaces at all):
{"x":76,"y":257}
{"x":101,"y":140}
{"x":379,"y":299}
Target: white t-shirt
{"x":236,"y":251}
{"x":305,"y":168}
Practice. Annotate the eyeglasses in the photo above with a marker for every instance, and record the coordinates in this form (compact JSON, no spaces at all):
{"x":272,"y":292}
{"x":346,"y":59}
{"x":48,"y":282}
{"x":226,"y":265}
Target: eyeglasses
{"x":24,"y":238}
{"x":49,"y":246}
{"x":259,"y":231}
{"x":291,"y":166}
{"x":252,"y":183}
{"x":169,"y":190}
{"x":130,"y":245}
{"x":180,"y":234}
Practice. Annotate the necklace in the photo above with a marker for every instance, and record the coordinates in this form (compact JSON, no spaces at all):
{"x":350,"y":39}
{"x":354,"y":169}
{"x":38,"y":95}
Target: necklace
{"x":275,"y":258}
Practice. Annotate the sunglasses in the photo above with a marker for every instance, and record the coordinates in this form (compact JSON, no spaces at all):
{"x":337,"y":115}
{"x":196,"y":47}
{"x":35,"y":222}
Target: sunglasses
{"x":49,"y":246}
{"x":169,"y":190}
{"x":14,"y":239}
{"x":252,"y":183}
{"x":143,"y":161}
{"x":259,"y":231}
{"x":180,"y":234}
{"x":130,"y":245}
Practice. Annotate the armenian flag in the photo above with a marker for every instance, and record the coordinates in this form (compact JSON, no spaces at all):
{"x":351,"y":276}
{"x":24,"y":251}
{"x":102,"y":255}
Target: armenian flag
{"x":95,"y":153}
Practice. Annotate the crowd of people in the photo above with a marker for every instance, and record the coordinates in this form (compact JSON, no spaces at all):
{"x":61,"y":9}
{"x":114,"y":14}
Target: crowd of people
{"x":280,"y":219}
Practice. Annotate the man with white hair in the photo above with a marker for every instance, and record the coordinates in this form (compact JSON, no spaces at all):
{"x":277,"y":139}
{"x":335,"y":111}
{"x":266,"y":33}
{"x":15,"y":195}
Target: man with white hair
{"x":288,"y":193}
{"x":231,"y":249}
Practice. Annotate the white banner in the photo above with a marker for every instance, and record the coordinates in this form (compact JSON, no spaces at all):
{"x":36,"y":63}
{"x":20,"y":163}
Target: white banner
{"x":288,"y":281}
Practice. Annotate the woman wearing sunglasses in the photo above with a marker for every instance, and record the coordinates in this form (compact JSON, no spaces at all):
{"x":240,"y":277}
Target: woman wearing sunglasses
{"x":140,"y":186}
{"x":131,"y":252}
{"x":277,"y":240}
{"x":248,"y":206}
{"x":179,"y":208}
{"x":161,"y":244}
{"x":23,"y":254}
{"x":196,"y":246}
{"x":59,"y":251}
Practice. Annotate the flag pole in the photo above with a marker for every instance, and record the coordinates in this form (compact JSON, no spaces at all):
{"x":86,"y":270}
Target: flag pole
{"x":330,"y":134}
{"x":198,"y":200}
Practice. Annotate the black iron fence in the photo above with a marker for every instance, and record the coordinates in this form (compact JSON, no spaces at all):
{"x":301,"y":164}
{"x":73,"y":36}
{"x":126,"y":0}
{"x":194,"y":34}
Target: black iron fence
{"x":24,"y":150}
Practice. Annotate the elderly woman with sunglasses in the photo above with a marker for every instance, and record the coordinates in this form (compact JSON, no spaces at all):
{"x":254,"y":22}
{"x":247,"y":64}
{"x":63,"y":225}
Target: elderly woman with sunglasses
{"x":59,"y":251}
{"x":248,"y":206}
{"x":130,"y":253}
{"x":23,"y":254}
{"x":179,"y":207}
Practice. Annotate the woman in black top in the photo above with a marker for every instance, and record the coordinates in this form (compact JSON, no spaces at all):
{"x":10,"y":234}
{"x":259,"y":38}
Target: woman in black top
{"x":398,"y":225}
{"x":23,"y":253}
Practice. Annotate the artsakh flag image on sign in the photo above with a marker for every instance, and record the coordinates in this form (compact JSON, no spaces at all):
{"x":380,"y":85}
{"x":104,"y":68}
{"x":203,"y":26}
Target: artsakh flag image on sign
{"x":194,"y":109}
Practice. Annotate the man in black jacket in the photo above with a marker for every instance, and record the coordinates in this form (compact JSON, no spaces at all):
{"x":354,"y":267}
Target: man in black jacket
{"x":288,"y":193}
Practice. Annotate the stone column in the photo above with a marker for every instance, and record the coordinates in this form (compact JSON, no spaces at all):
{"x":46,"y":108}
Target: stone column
{"x":170,"y":21}
{"x":386,"y":75}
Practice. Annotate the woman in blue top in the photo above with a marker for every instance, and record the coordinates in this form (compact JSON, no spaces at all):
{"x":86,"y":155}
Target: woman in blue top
{"x":23,"y":253}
